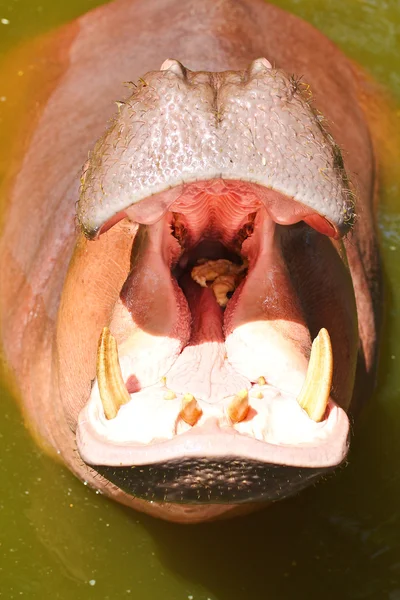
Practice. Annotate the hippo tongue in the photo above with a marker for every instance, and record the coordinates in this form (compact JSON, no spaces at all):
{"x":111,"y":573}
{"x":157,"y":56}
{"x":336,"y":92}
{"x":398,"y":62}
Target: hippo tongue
{"x":203,"y":367}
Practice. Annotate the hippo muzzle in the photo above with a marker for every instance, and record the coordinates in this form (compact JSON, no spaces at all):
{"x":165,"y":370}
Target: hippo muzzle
{"x":226,"y":361}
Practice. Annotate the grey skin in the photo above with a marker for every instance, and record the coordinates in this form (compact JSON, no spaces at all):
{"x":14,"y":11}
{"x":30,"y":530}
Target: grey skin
{"x":59,"y":289}
{"x":181,"y":126}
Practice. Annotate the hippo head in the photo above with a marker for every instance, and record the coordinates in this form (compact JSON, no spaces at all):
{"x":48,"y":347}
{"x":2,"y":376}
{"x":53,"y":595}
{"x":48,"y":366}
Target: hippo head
{"x":222,"y":340}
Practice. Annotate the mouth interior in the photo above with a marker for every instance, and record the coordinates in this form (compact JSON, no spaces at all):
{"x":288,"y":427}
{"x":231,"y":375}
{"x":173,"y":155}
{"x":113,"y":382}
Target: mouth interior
{"x":210,"y":312}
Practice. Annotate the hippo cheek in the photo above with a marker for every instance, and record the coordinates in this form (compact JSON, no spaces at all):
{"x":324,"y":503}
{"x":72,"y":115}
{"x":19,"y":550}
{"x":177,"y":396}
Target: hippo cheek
{"x":218,"y":202}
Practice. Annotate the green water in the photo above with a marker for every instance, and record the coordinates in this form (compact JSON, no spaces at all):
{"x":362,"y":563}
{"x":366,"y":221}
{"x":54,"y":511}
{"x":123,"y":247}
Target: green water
{"x":339,"y":540}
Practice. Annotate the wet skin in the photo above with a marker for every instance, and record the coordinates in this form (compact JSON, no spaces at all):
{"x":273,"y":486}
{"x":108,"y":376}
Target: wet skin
{"x":61,"y":289}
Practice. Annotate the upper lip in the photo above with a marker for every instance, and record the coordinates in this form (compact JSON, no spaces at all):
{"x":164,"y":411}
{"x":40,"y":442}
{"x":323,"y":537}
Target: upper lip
{"x":252,"y":118}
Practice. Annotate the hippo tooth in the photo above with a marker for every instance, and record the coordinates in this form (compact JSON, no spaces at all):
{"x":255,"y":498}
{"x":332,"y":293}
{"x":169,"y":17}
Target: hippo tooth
{"x":169,"y":395}
{"x":174,"y":66}
{"x":261,"y":380}
{"x":314,"y":395}
{"x":239,"y":407}
{"x":258,"y":66}
{"x":190,"y":410}
{"x":113,"y":392}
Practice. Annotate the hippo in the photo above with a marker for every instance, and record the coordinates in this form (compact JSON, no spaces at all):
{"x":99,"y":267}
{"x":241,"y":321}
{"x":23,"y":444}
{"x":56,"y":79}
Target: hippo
{"x":191,"y":289}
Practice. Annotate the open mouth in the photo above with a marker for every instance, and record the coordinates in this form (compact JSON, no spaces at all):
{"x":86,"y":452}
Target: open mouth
{"x":214,"y":374}
{"x":214,"y":351}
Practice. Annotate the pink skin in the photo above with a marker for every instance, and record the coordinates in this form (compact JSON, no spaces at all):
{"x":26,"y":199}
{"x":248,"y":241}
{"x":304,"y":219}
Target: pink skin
{"x":61,"y":289}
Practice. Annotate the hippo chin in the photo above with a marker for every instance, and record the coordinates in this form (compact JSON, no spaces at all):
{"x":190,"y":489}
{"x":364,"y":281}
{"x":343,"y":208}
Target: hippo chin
{"x":194,"y":321}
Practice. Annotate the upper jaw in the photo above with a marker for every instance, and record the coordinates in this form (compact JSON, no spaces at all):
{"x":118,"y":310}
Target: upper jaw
{"x":180,"y":127}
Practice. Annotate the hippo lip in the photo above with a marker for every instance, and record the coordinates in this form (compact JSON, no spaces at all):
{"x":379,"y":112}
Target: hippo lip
{"x":181,"y":126}
{"x":212,"y":441}
{"x":221,"y":198}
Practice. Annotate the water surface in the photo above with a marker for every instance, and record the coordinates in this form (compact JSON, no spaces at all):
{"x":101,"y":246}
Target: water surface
{"x":338,"y":540}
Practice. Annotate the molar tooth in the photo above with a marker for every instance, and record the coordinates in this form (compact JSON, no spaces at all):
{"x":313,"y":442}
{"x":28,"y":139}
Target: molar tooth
{"x":314,"y":394}
{"x":239,"y":407}
{"x":190,"y":410}
{"x":113,"y":392}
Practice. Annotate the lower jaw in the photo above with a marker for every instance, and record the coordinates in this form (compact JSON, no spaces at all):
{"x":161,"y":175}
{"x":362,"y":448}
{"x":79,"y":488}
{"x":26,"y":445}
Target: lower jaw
{"x":214,"y":466}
